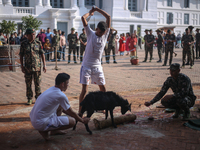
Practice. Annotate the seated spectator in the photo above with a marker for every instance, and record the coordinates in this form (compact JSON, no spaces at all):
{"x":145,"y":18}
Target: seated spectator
{"x":47,"y":48}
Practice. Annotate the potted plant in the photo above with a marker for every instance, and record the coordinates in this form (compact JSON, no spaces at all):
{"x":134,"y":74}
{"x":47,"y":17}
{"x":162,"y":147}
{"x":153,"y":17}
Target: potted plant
{"x":134,"y":59}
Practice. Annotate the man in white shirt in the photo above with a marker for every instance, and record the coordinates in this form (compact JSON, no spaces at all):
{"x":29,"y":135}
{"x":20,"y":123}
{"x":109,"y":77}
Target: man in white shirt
{"x":91,"y":66}
{"x":46,"y":113}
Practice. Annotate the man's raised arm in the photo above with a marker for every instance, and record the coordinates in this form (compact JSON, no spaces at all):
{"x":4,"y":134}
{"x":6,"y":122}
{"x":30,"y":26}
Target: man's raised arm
{"x":105,"y":14}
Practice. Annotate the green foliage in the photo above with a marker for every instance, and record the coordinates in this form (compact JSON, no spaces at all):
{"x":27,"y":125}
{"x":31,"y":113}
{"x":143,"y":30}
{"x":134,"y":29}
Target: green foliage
{"x":8,"y":27}
{"x":30,"y":22}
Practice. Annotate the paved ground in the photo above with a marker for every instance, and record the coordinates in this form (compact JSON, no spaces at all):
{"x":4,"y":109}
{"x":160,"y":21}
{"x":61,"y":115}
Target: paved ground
{"x":136,"y":83}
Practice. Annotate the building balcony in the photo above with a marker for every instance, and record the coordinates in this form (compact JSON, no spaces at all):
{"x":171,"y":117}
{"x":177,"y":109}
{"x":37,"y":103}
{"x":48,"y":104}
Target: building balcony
{"x":136,"y":14}
{"x":23,"y":10}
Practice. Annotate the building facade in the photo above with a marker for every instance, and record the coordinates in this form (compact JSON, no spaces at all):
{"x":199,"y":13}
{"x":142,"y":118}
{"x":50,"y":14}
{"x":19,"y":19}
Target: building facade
{"x":126,"y":15}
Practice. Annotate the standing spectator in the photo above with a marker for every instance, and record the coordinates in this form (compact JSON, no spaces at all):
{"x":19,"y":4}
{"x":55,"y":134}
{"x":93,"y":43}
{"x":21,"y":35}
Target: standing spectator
{"x":56,"y":44}
{"x":49,"y":35}
{"x":116,"y":44}
{"x":44,"y":31}
{"x":145,"y":45}
{"x":72,"y":40}
{"x":83,"y":40}
{"x":59,"y":32}
{"x":178,"y":39}
{"x":197,"y":36}
{"x":140,"y":42}
{"x":42,"y":37}
{"x":127,"y":42}
{"x":62,"y":45}
{"x":122,"y":44}
{"x":77,"y":45}
{"x":133,"y":44}
{"x":159,"y":45}
{"x":20,"y":34}
{"x":32,"y":51}
{"x":149,"y":41}
{"x":12,"y":39}
{"x":111,"y":44}
{"x":17,"y":40}
{"x":170,"y":38}
{"x":47,"y":48}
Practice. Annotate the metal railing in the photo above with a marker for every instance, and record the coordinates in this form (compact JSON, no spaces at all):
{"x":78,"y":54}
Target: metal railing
{"x":24,"y":10}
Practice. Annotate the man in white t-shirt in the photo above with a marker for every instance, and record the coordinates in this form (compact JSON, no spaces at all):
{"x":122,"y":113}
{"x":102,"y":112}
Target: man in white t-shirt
{"x":46,"y":113}
{"x":91,"y":66}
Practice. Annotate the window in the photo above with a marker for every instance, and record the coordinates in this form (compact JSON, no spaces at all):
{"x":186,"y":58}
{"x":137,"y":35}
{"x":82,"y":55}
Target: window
{"x":194,"y":19}
{"x":169,"y":3}
{"x":186,"y":3}
{"x":20,"y":3}
{"x":92,"y":26}
{"x":186,"y":18}
{"x":131,"y":29}
{"x":178,"y":18}
{"x":100,"y":4}
{"x":132,"y":5}
{"x":169,"y":18}
{"x":139,"y":30}
{"x":78,"y":3}
{"x":56,"y":3}
{"x":147,"y":5}
{"x":160,"y":17}
{"x":90,"y":2}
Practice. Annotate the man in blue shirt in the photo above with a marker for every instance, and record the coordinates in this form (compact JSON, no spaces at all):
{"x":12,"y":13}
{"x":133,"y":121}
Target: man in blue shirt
{"x":48,"y":35}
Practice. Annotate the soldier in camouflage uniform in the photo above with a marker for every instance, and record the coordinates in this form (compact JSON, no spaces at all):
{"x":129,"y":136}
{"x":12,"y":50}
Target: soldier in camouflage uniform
{"x":183,"y":97}
{"x":145,"y":45}
{"x":83,"y":40}
{"x":72,"y":40}
{"x":197,"y":37}
{"x":31,"y":51}
{"x":192,"y":33}
{"x":56,"y":44}
{"x":187,"y":42}
{"x":149,"y":44}
{"x":111,"y":45}
{"x":170,"y":39}
{"x":159,"y":44}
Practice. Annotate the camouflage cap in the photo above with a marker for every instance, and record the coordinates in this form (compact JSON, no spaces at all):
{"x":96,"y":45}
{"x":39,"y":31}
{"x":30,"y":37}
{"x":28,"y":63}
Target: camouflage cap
{"x":146,"y":30}
{"x":72,"y":28}
{"x":55,"y":30}
{"x":197,"y":29}
{"x":30,"y":31}
{"x":174,"y":66}
{"x":190,"y":27}
{"x":83,"y":29}
{"x":158,"y":30}
{"x":168,"y":30}
{"x":150,"y":29}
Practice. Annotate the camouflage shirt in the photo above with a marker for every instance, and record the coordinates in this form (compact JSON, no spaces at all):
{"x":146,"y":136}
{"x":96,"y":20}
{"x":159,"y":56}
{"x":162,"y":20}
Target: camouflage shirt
{"x":112,"y":39}
{"x":193,"y":35}
{"x":170,"y":37}
{"x":72,"y":38}
{"x":186,"y":39}
{"x":56,"y":41}
{"x":181,"y":87}
{"x":145,"y":38}
{"x":160,"y":40}
{"x":83,"y":37}
{"x":197,"y":36}
{"x":150,"y":38}
{"x":31,"y":53}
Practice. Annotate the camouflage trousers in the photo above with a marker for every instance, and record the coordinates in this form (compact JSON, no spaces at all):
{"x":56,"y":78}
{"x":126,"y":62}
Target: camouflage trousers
{"x":187,"y":50}
{"x":188,"y":57}
{"x":56,"y":49}
{"x":167,"y":51}
{"x":72,"y":49}
{"x":37,"y":79}
{"x":150,"y":51}
{"x":82,"y":50}
{"x":160,"y":52}
{"x":110,"y":48}
{"x":182,"y":103}
{"x":197,"y":51}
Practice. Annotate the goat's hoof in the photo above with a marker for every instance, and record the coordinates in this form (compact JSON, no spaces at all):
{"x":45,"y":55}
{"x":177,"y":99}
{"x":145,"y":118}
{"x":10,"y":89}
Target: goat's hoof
{"x":115,"y":126}
{"x":90,"y":132}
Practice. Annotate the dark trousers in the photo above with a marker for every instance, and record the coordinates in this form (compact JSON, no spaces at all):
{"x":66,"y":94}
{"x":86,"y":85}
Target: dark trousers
{"x":77,"y":51}
{"x":82,"y":50}
{"x":74,"y":54}
{"x":187,"y":51}
{"x":150,"y":51}
{"x":167,"y":51}
{"x":197,"y":51}
{"x":62,"y":55}
{"x":28,"y":80}
{"x":160,"y":53}
{"x":110,"y":48}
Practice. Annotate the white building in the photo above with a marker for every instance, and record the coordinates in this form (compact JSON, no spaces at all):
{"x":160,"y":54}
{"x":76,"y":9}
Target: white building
{"x":126,"y":15}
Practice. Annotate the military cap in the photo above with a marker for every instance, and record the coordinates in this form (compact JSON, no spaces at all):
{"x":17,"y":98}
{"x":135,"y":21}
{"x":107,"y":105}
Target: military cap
{"x":174,"y":66}
{"x":55,"y":30}
{"x":83,"y":29}
{"x":190,"y":27}
{"x":197,"y":29}
{"x":168,"y":30}
{"x":186,"y":29}
{"x":158,"y":30}
{"x":72,"y":28}
{"x":30,"y":31}
{"x":146,"y":30}
{"x":150,"y":29}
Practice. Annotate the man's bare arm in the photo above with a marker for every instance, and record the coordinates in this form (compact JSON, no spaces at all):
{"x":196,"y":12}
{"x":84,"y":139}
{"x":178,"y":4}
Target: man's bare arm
{"x":105,"y":14}
{"x":83,"y":18}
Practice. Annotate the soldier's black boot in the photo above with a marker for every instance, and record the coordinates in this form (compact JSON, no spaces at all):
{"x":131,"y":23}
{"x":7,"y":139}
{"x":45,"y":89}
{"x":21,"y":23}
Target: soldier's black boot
{"x":186,"y":115}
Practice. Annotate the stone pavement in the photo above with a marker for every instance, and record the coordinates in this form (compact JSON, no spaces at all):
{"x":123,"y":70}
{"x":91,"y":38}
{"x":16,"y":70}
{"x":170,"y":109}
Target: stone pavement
{"x":136,"y":83}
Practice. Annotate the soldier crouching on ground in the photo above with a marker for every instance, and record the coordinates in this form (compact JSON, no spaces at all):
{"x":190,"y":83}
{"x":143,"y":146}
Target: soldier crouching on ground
{"x":183,"y":97}
{"x":31,"y":51}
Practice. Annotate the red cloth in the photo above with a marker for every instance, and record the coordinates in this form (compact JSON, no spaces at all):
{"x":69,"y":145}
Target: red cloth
{"x":133,"y":43}
{"x":122,"y":45}
{"x":127,"y":43}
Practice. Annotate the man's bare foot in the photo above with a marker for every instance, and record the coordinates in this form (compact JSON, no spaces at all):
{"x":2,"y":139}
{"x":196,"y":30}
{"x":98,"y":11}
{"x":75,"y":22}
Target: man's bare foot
{"x":57,"y":132}
{"x":45,"y":135}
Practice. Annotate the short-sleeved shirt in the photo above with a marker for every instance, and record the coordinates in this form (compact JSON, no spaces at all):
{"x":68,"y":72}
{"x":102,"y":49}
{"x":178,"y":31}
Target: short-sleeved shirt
{"x":94,"y":48}
{"x":197,"y":37}
{"x":48,"y":36}
{"x":46,"y":107}
{"x":159,"y":40}
{"x":83,"y":37}
{"x":72,"y":38}
{"x":170,"y":37}
{"x":31,"y":53}
{"x":150,"y":38}
{"x":186,"y":39}
{"x":112,"y":39}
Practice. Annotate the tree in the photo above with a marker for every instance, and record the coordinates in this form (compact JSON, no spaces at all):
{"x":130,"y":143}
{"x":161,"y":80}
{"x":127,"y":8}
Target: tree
{"x":8,"y":27}
{"x":30,"y":22}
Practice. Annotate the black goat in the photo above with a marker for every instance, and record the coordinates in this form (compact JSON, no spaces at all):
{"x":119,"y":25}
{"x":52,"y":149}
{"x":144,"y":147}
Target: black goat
{"x":95,"y":101}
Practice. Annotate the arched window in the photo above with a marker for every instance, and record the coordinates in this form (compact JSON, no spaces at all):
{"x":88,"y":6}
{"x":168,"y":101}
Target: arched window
{"x":56,"y":3}
{"x":132,"y":5}
{"x":20,"y":3}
